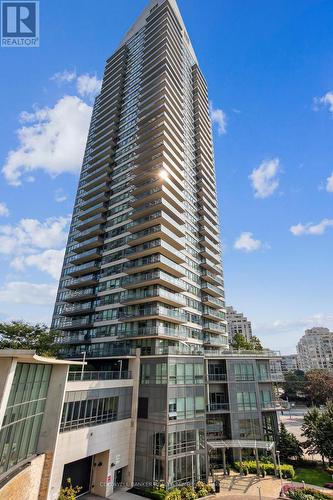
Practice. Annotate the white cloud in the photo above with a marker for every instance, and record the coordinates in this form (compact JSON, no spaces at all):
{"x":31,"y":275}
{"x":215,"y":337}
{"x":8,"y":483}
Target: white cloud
{"x":29,"y":235}
{"x":64,"y":76}
{"x":60,"y":195}
{"x":326,"y":100}
{"x":329,"y":183}
{"x":246,"y":243}
{"x":52,"y":139}
{"x":310,"y":228}
{"x":264,"y":179}
{"x":4,"y":212}
{"x":49,"y":261}
{"x":22,"y":292}
{"x":219,"y":117}
{"x":88,"y":85}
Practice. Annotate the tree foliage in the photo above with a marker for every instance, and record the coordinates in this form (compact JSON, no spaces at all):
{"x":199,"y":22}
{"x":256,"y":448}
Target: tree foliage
{"x":288,"y":444}
{"x":21,"y":335}
{"x":294,"y":384}
{"x":319,"y":387}
{"x":240,"y":342}
{"x":318,"y":431}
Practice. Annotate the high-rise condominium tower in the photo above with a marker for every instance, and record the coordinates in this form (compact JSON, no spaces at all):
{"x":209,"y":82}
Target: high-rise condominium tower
{"x":142,"y":268}
{"x":142,"y":264}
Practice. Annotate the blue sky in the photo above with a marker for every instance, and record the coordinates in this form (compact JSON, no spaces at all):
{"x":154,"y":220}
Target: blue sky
{"x":269,"y":67}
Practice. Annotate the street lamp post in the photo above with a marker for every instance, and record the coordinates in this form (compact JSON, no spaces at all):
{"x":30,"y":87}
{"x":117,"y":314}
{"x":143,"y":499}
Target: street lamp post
{"x":84,"y":360}
{"x":192,"y":463}
{"x":259,"y":491}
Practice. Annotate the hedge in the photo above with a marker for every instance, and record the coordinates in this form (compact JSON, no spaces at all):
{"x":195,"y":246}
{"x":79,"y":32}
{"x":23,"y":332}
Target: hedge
{"x":251,"y":467}
{"x":308,"y":494}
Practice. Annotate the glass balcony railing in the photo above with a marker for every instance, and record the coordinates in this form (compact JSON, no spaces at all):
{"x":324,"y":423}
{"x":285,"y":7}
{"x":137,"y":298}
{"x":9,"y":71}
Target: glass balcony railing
{"x":153,"y":311}
{"x":96,"y":375}
{"x":157,"y":293}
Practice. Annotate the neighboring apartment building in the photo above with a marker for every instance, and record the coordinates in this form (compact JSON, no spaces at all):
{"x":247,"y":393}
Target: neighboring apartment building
{"x":142,"y":268}
{"x":315,"y":349}
{"x":238,"y":323}
{"x":290,"y":362}
{"x":56,"y":424}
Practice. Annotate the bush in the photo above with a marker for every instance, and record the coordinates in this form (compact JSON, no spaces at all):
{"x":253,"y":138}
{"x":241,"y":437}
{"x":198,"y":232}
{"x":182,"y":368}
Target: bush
{"x":202,"y":493}
{"x":199,"y":485}
{"x":155,"y":494}
{"x":69,"y":492}
{"x":298,"y":493}
{"x":251,"y":467}
{"x":188,"y":493}
{"x":173,"y":494}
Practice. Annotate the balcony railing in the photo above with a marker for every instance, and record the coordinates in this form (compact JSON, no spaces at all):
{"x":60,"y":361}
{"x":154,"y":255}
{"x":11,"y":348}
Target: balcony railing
{"x":95,"y":375}
{"x":211,"y":407}
{"x":217,"y":377}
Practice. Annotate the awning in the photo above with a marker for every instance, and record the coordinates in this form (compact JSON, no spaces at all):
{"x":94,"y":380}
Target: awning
{"x":241,"y":443}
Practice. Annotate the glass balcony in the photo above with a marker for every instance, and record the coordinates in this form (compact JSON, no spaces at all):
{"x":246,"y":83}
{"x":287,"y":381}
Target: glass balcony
{"x":85,"y":256}
{"x":214,"y":327}
{"x":72,"y":309}
{"x":98,"y":208}
{"x":83,"y":281}
{"x":91,"y":221}
{"x":211,"y":289}
{"x":77,"y":295}
{"x":212,"y":278}
{"x":153,"y":261}
{"x":155,"y":293}
{"x":89,"y":233}
{"x":88,"y":243}
{"x":212,"y":301}
{"x":157,"y":311}
{"x":84,"y":268}
{"x":154,"y":277}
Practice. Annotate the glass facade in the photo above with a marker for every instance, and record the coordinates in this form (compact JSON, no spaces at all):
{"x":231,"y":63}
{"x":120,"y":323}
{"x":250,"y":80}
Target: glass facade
{"x":24,"y":414}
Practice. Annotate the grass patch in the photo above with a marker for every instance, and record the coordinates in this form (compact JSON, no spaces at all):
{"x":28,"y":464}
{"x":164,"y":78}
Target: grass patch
{"x":314,"y":475}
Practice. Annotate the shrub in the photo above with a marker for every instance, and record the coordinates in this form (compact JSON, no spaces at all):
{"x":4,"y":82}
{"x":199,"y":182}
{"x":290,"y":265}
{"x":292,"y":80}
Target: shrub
{"x":188,"y":493}
{"x":202,"y":493}
{"x":298,"y":493}
{"x":199,"y":485}
{"x":69,"y":492}
{"x":173,"y":494}
{"x":155,"y":494}
{"x":251,"y":467}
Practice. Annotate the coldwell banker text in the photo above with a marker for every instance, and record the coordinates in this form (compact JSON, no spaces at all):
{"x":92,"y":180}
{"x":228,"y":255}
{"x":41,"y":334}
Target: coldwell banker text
{"x":20,"y":24}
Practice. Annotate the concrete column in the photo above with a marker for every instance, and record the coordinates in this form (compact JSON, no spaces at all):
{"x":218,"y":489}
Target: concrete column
{"x":135,"y":369}
{"x":51,"y":422}
{"x":224,"y":462}
{"x":7,"y":372}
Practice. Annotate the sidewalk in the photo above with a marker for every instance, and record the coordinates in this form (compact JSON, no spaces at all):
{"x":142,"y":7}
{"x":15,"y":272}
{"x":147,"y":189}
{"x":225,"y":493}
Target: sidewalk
{"x":240,"y":487}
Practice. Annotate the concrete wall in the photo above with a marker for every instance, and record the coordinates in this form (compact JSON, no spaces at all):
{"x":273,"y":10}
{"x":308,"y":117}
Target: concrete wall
{"x":25,"y":484}
{"x":77,"y":444}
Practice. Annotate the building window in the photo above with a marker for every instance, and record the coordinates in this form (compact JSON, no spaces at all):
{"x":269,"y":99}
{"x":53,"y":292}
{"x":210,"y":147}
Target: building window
{"x":246,"y":401}
{"x":88,"y":412}
{"x":24,"y":414}
{"x":244,"y":372}
{"x":143,"y":408}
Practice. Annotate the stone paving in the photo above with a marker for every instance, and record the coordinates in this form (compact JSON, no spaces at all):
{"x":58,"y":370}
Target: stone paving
{"x":241,"y":487}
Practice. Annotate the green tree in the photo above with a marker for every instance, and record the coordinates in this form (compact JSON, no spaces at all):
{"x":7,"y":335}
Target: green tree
{"x":318,"y":431}
{"x":319,"y":387}
{"x":21,"y":335}
{"x":288,"y":444}
{"x":294,"y":384}
{"x":240,"y":342}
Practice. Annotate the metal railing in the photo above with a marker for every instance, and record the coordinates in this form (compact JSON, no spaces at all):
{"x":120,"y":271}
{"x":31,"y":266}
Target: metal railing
{"x":96,"y":375}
